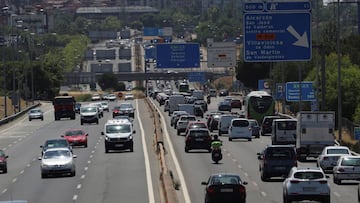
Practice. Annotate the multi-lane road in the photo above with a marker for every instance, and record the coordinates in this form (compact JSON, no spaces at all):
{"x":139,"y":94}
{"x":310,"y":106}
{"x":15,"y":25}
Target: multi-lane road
{"x":131,"y":176}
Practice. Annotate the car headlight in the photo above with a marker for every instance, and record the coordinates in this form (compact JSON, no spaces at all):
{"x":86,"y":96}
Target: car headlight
{"x":130,"y":137}
{"x":45,"y":166}
{"x":107,"y":138}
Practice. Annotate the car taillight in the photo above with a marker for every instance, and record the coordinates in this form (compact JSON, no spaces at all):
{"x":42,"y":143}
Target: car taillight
{"x":242,"y":189}
{"x":210,"y":189}
{"x":294,"y":181}
{"x":323,"y":181}
{"x":188,"y":138}
{"x":325,"y":158}
{"x":340,"y":170}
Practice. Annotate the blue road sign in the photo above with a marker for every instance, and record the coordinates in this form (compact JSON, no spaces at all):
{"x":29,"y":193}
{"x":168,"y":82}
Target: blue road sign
{"x":357,"y":133}
{"x":150,"y":53}
{"x":178,"y":55}
{"x":277,"y":37}
{"x":286,"y":6}
{"x":280,"y":91}
{"x":197,"y":77}
{"x":293,"y":91}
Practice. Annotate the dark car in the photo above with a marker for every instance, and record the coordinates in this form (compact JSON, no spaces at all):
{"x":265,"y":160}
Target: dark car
{"x":124,"y":109}
{"x":236,"y":103}
{"x":210,"y":115}
{"x":255,"y":128}
{"x":198,"y":138}
{"x":55,"y":143}
{"x":203,"y":104}
{"x":195,"y":124}
{"x":199,"y":111}
{"x":76,"y":137}
{"x":3,"y":161}
{"x":224,"y":106}
{"x":276,"y":161}
{"x":225,"y":187}
{"x":266,"y":125}
{"x":223,"y":93}
{"x":214,"y":122}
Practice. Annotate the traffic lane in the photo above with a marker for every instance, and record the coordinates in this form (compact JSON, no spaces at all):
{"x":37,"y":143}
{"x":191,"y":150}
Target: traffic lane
{"x":25,"y":154}
{"x":118,"y":174}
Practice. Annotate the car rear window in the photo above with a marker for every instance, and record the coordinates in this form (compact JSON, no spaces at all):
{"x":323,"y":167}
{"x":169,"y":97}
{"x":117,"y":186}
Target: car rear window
{"x":350,"y":162}
{"x":281,"y":153}
{"x":199,"y":133}
{"x":198,"y":125}
{"x":308,"y":175}
{"x":220,"y":180}
{"x":240,"y":123}
{"x":287,"y":125}
{"x":337,"y":151}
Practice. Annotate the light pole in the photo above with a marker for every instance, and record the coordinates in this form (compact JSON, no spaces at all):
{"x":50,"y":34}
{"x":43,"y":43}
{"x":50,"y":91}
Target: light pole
{"x":339,"y":72}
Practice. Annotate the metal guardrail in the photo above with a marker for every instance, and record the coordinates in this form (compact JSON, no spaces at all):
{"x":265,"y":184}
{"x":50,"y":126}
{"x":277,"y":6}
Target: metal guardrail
{"x":17,"y":115}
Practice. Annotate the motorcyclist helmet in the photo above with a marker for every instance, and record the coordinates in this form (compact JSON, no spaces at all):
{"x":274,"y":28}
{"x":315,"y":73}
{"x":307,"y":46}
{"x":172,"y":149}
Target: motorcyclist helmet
{"x":216,"y":137}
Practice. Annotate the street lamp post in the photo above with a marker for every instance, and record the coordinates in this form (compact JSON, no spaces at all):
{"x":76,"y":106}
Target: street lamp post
{"x":339,"y":72}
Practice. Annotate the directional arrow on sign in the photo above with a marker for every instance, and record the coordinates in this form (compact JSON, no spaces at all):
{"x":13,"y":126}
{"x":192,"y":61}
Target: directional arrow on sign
{"x":302,"y":41}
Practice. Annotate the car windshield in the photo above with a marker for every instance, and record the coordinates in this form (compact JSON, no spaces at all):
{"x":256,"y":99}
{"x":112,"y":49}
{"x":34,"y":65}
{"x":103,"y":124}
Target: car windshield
{"x":125,"y":128}
{"x":57,"y":153}
{"x":35,"y":111}
{"x":308,"y":175}
{"x":198,"y":125}
{"x":88,"y":109}
{"x":227,"y":179}
{"x":56,"y":143}
{"x":240,"y":123}
{"x":337,"y":151}
{"x":74,"y":133}
{"x":350,"y":162}
{"x":125,"y":106}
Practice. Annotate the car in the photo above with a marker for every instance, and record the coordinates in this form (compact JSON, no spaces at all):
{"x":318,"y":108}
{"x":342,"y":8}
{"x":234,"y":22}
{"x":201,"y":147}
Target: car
{"x":36,"y":113}
{"x":55,"y":143}
{"x":203,"y":104}
{"x":57,"y":161}
{"x":212,"y":92}
{"x":199,"y":111}
{"x":76,"y":137}
{"x":175,"y":115}
{"x":276,"y":161}
{"x":240,"y":128}
{"x":223,"y":93}
{"x":224,"y":106}
{"x":346,"y":168}
{"x":100,"y":108}
{"x":306,"y":184}
{"x":236,"y":103}
{"x":183,"y":122}
{"x":224,"y":123}
{"x":225,"y":187}
{"x":329,"y":156}
{"x":125,"y":108}
{"x":266,"y":125}
{"x":124,"y":117}
{"x":111,"y":97}
{"x":105,"y":105}
{"x":95,"y":97}
{"x":77,"y":107}
{"x":255,"y":128}
{"x":210,"y":115}
{"x":129,"y":96}
{"x":213,"y":120}
{"x":198,"y":138}
{"x":118,"y":135}
{"x":195,"y":124}
{"x":3,"y":161}
{"x":89,"y":114}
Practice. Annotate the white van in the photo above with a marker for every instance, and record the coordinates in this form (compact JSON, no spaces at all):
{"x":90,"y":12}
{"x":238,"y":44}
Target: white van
{"x":224,"y":123}
{"x":283,"y":131}
{"x":240,"y":128}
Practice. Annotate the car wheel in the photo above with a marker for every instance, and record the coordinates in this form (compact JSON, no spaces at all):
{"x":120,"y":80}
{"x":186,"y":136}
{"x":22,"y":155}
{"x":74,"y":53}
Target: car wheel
{"x":73,"y":174}
{"x":186,"y":149}
{"x":5,"y":169}
{"x":219,"y":133}
{"x":286,"y":199}
{"x":82,"y":122}
{"x":42,"y":118}
{"x":171,"y":124}
{"x":43,"y":175}
{"x":178,"y":132}
{"x":106,"y":150}
{"x":230,"y":139}
{"x":85,"y":145}
{"x":97,"y":121}
{"x":29,"y":119}
{"x":263,"y":177}
{"x":257,"y":136}
{"x":337,"y":181}
{"x":326,"y":200}
{"x":249,"y":139}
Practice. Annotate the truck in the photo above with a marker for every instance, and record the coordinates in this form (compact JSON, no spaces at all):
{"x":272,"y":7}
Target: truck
{"x":64,"y":107}
{"x":174,"y":101}
{"x":314,"y":131}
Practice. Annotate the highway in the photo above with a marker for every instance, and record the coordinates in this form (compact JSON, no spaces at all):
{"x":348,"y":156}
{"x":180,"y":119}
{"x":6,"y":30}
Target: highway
{"x":131,"y":177}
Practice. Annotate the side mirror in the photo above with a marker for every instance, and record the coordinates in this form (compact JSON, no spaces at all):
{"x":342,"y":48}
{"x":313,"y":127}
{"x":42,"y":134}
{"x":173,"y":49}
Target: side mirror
{"x":39,"y":158}
{"x":41,"y":146}
{"x":74,"y":155}
{"x":203,"y":183}
{"x":260,"y":157}
{"x":7,"y":156}
{"x":61,"y":135}
{"x":102,"y":133}
{"x":134,"y":131}
{"x":244,"y":183}
{"x":87,"y":135}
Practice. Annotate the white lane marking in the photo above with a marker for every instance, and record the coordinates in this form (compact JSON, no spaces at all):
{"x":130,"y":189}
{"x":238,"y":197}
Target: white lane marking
{"x":14,"y":180}
{"x":337,"y":194}
{"x":75,"y":197}
{"x":78,"y":186}
{"x":239,"y":166}
{"x":263,"y":194}
{"x":146,"y":157}
{"x":89,"y":162}
{"x":174,"y":158}
{"x":4,"y":191}
{"x":83,"y":176}
{"x":22,"y":171}
{"x":246,"y":174}
{"x":86,"y":168}
{"x":254,"y":183}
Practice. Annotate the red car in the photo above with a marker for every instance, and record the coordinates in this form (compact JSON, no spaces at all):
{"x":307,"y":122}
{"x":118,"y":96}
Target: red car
{"x":76,"y":137}
{"x":3,"y":162}
{"x":236,"y":103}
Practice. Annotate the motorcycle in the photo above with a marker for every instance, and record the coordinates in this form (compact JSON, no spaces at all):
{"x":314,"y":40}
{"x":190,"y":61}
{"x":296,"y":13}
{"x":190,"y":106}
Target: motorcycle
{"x":216,"y":155}
{"x":208,"y":100}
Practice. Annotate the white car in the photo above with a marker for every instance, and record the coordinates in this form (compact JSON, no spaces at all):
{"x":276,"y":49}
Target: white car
{"x":129,"y":96}
{"x":347,"y":168}
{"x":306,"y":184}
{"x":100,"y":108}
{"x":183,"y":122}
{"x":111,"y":97}
{"x":329,"y":156}
{"x":240,"y":128}
{"x":105,"y":105}
{"x":95,"y":97}
{"x":57,"y":161}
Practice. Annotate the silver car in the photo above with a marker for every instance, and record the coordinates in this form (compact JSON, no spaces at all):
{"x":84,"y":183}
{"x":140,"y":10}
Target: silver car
{"x":36,"y":114}
{"x":306,"y":184}
{"x":57,"y":161}
{"x":347,"y":168}
{"x":329,"y":156}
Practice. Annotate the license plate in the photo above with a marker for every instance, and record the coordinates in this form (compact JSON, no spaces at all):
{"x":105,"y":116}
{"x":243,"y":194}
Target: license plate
{"x":119,"y":145}
{"x":199,"y":139}
{"x":309,"y":189}
{"x":280,"y":168}
{"x":226,"y":190}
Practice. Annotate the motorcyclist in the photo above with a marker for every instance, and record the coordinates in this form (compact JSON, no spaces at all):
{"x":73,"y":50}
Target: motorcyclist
{"x":216,"y":143}
{"x":208,"y":99}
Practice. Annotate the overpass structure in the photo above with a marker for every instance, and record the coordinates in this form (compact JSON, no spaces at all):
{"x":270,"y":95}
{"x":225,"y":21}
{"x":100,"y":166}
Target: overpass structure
{"x":74,"y":78}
